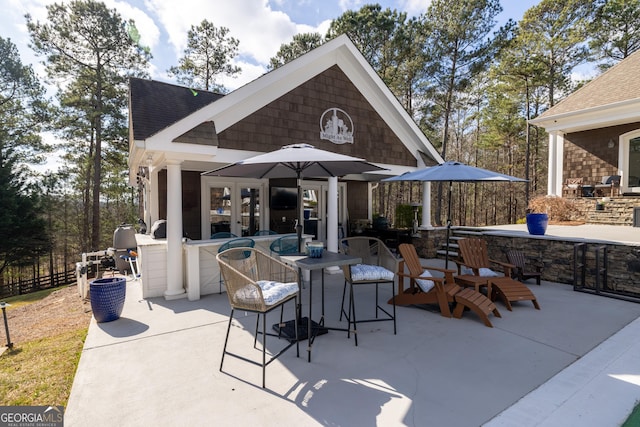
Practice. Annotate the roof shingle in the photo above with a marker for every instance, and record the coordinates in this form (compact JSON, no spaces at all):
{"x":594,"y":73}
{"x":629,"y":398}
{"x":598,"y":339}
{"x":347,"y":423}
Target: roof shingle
{"x":619,"y":83}
{"x":154,"y":105}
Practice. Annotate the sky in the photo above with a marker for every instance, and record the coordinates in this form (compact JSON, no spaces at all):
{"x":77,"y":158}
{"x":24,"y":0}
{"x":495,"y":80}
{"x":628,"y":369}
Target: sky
{"x":261,"y":26}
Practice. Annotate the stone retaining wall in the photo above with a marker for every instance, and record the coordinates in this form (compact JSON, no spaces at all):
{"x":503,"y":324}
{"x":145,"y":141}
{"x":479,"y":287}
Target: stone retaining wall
{"x":556,"y":256}
{"x":617,"y":210}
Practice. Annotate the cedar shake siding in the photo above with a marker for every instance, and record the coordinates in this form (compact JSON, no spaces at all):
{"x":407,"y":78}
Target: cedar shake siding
{"x":295,"y":117}
{"x":587,"y":154}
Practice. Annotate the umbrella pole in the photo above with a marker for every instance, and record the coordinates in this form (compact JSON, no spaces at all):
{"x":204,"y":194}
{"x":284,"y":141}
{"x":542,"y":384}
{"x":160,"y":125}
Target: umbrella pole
{"x":446,"y":256}
{"x":298,"y":210}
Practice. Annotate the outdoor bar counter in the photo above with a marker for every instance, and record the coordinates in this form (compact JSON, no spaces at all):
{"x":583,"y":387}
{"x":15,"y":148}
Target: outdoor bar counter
{"x":201,"y":273}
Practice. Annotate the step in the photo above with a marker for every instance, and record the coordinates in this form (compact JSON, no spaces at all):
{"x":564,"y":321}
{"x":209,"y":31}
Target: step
{"x":467,"y":233}
{"x":444,"y":253}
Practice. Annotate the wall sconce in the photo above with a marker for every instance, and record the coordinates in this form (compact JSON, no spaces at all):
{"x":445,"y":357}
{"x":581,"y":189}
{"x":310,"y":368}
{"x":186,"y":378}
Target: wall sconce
{"x":611,"y":144}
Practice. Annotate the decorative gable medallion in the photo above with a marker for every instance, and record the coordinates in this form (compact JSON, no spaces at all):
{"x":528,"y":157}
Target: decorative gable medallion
{"x":336,"y":126}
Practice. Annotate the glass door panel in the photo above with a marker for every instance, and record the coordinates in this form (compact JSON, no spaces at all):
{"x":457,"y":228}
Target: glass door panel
{"x":634,"y":162}
{"x":250,"y":211}
{"x":220,"y":211}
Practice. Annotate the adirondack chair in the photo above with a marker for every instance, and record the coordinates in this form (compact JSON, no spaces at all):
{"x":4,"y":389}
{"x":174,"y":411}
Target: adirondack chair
{"x":426,"y":289}
{"x":522,"y":272}
{"x":475,"y":269}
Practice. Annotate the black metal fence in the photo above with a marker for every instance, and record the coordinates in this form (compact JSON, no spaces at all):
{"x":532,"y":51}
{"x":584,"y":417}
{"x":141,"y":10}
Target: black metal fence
{"x":26,"y":286}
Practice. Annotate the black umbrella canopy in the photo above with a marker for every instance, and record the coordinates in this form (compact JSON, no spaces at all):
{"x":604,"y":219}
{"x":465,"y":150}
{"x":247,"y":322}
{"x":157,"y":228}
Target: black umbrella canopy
{"x":296,"y":161}
{"x":452,"y":171}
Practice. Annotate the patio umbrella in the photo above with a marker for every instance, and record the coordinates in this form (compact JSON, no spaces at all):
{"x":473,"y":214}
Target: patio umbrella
{"x":453,"y":171}
{"x":296,"y":161}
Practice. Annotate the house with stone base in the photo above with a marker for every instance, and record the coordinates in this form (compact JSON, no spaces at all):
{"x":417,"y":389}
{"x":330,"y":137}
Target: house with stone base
{"x":594,"y":145}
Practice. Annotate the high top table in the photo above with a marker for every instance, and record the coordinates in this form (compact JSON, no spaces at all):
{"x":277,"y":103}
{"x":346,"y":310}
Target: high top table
{"x":303,"y":262}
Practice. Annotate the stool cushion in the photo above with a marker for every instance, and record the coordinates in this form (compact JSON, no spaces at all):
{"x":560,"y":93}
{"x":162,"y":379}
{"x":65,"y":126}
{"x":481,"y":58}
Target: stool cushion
{"x":272,"y":292}
{"x":425,"y":285}
{"x":360,"y":272}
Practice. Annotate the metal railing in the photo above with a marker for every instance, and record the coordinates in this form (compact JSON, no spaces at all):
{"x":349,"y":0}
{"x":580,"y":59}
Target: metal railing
{"x":594,"y":279}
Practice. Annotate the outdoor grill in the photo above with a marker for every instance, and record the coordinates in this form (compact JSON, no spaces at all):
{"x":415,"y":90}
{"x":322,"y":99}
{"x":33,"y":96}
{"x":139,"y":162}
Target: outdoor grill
{"x":124,"y":239}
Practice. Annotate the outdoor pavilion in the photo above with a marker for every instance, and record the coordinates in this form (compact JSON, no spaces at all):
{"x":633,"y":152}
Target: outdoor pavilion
{"x":330,"y":98}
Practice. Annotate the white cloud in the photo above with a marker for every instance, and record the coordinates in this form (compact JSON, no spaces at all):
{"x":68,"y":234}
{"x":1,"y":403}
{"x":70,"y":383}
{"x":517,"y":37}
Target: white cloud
{"x":413,"y":7}
{"x":149,"y":31}
{"x":259,"y":29}
{"x":350,"y":4}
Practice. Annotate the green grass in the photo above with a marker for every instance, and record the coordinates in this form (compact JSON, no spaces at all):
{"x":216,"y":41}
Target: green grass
{"x":634,"y":418}
{"x":40,"y":372}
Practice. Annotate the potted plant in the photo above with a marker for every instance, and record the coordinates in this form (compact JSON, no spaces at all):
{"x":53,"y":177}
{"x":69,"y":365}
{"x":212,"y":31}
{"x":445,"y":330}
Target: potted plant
{"x":537,"y":216}
{"x":537,"y":223}
{"x":600,"y":204}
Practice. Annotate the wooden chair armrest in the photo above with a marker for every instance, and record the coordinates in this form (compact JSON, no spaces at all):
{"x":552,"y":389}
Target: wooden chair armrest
{"x":448,"y":273}
{"x":459,"y":265}
{"x":434,"y":278}
{"x":505,"y":266}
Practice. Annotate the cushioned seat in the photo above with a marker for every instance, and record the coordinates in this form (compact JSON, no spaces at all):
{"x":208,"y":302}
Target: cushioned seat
{"x":378,"y":267}
{"x":573,"y":186}
{"x":611,"y":183}
{"x":257,"y":283}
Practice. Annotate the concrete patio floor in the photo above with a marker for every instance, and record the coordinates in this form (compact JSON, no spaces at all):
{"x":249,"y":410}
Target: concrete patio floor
{"x":158,"y":365}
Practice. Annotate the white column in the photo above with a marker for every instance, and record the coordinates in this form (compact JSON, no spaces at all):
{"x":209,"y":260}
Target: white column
{"x":556,"y":152}
{"x":370,"y":188}
{"x":175,"y":286}
{"x":332,"y":215}
{"x":560,"y":167}
{"x":551,"y":172}
{"x":426,"y":206}
{"x":154,"y":212}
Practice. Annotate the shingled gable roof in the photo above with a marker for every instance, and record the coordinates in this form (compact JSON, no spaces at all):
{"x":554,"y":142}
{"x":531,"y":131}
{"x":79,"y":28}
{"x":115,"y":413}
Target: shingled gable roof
{"x":247,"y":99}
{"x":611,"y":98}
{"x":149,"y":111}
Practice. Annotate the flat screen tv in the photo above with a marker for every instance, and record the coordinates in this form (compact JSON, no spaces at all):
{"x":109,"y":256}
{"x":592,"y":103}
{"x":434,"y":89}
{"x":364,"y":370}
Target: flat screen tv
{"x":283,"y":198}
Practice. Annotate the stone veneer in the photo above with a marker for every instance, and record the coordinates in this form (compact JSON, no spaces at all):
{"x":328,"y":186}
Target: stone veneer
{"x":555,"y":255}
{"x":617,"y":210}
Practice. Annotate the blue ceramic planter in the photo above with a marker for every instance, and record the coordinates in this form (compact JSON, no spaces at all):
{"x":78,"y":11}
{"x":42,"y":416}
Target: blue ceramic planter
{"x":537,"y":223}
{"x":107,"y":298}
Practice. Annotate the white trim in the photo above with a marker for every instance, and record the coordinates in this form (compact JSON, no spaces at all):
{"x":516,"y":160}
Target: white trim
{"x":591,"y":118}
{"x":623,"y":160}
{"x":244,"y":101}
{"x":235,"y":186}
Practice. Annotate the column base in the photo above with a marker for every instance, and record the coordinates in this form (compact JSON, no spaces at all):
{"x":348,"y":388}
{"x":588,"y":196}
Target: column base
{"x":333,"y":270}
{"x":173,"y":295}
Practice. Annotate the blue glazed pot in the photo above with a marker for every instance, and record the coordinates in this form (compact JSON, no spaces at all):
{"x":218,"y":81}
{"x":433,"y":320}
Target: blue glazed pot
{"x":107,"y":298}
{"x":537,"y":223}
